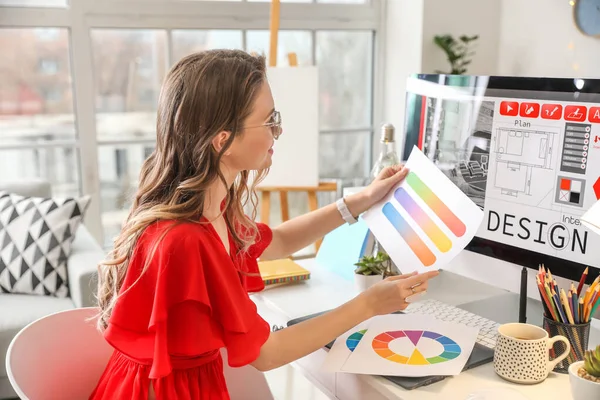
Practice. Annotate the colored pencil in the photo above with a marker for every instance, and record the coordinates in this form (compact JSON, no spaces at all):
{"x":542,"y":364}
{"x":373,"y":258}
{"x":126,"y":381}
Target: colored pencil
{"x":595,"y":283}
{"x":593,"y":300}
{"x":565,"y":302}
{"x":594,"y":308}
{"x":575,"y":301}
{"x":561,"y":311}
{"x":582,"y":281}
{"x":551,"y":299}
{"x":586,"y":300}
{"x":545,"y":301}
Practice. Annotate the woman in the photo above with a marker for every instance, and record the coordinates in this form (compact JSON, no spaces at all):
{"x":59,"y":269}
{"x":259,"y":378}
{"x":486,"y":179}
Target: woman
{"x":174,"y":290}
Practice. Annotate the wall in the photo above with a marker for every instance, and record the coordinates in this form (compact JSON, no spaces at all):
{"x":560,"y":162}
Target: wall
{"x":539,"y":38}
{"x":462,"y":17}
{"x":403,"y":49}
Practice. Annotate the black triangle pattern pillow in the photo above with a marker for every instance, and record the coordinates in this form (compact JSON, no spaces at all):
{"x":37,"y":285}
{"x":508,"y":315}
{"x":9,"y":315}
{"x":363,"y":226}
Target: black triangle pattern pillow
{"x":36,"y":235}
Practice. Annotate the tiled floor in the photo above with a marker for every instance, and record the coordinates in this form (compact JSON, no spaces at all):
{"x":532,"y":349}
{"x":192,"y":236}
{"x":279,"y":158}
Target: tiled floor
{"x":287,"y":383}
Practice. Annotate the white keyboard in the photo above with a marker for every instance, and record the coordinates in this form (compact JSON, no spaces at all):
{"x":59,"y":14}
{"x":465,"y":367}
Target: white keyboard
{"x":488,"y":329}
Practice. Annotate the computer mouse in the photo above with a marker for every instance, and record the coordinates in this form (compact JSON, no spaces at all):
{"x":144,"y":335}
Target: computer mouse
{"x":496,"y":394}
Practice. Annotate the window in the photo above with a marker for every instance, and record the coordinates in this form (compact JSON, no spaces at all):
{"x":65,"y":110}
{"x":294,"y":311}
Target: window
{"x":129,"y":66}
{"x":120,"y":56}
{"x":48,"y":66}
{"x":34,"y":3}
{"x":119,"y":167}
{"x":51,"y":94}
{"x":345,"y":98}
{"x":57,"y":165}
{"x":343,"y":1}
{"x":121,"y":163}
{"x":299,"y":42}
{"x":47,"y":34}
{"x":37,"y":131}
{"x":319,"y":1}
{"x":344,"y":155}
{"x":148,"y":151}
{"x":190,"y":41}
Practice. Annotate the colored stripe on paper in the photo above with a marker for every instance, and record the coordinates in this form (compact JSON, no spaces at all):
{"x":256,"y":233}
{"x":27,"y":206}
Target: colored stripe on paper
{"x":440,"y":209}
{"x":439,"y":238}
{"x":409,"y":235}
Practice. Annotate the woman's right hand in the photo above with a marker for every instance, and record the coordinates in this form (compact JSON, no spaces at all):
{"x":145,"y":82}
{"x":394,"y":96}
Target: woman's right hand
{"x":390,"y":295}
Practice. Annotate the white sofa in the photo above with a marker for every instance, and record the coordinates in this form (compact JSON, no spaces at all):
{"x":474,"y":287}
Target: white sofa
{"x":18,"y":310}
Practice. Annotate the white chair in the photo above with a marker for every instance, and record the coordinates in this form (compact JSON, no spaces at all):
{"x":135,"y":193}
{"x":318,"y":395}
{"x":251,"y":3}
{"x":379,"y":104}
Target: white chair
{"x":61,"y":357}
{"x":245,"y":383}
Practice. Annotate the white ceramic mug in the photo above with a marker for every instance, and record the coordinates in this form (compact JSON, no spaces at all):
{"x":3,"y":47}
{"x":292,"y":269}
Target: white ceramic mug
{"x":522,"y":353}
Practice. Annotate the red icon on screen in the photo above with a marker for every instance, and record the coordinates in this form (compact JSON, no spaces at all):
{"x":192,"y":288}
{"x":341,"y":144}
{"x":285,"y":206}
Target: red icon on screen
{"x":529,"y":110}
{"x":552,"y":111}
{"x":509,"y":108}
{"x":594,"y":115}
{"x":575,"y":113}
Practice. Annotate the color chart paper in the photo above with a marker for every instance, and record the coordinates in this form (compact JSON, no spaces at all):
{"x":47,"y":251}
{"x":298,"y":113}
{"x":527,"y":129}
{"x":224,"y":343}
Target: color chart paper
{"x":426,"y":220}
{"x":343,"y":346}
{"x":412,"y":346}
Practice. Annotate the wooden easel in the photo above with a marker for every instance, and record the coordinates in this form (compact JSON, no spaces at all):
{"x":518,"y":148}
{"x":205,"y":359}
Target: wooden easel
{"x":311,"y":191}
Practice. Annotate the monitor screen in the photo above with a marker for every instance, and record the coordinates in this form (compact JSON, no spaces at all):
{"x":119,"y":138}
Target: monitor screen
{"x":525,"y":150}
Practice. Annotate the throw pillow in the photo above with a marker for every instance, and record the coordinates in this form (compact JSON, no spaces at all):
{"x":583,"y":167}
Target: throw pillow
{"x":35,"y":242}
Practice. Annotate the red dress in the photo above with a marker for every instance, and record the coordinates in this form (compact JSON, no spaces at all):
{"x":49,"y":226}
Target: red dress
{"x":192,"y":301}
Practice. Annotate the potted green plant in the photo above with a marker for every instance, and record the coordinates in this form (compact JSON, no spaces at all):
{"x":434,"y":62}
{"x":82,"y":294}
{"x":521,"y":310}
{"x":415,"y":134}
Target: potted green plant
{"x":371,"y":269}
{"x":458,"y":51}
{"x":585,"y":376}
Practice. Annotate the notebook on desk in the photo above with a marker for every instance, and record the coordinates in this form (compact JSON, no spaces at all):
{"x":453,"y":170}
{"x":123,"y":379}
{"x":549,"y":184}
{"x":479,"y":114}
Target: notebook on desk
{"x":479,"y":356}
{"x":282,"y":271}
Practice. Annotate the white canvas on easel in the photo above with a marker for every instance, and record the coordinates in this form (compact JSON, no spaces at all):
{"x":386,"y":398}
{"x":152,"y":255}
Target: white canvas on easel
{"x":296,"y":152}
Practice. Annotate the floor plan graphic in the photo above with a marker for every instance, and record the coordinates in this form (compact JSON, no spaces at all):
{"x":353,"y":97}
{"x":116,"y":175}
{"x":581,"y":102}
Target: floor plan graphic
{"x":518,"y":152}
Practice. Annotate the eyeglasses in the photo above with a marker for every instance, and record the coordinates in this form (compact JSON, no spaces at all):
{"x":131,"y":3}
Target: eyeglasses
{"x":275,"y":125}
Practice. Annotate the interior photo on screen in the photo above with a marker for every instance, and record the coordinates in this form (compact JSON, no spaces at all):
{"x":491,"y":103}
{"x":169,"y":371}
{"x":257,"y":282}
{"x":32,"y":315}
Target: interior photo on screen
{"x":526,"y":151}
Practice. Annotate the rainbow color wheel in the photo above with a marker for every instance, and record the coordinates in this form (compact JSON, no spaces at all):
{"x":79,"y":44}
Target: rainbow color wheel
{"x":353,"y":339}
{"x":381,"y":346}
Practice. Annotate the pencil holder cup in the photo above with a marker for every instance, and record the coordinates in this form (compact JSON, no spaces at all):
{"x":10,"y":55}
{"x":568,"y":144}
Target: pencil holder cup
{"x":577,"y":334}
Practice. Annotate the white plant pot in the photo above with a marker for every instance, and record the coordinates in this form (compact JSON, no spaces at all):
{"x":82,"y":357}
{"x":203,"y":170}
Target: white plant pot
{"x":363,"y":282}
{"x":582,"y":389}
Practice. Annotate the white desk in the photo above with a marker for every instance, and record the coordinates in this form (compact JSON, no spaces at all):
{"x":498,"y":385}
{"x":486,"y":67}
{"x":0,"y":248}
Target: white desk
{"x":326,"y":290}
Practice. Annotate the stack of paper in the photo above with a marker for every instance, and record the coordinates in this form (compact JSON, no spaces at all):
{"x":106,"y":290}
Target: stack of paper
{"x":403,"y":345}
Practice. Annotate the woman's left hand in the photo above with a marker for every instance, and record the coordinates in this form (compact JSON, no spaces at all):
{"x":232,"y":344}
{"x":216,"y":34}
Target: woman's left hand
{"x":387,"y":179}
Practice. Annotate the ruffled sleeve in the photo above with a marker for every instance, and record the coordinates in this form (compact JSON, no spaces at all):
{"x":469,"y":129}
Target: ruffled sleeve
{"x":263,"y":240}
{"x":251,"y":278}
{"x":193,"y":303}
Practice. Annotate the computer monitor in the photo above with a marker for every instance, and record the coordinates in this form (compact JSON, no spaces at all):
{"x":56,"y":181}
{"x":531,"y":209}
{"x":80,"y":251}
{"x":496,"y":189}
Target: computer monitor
{"x":527,"y":151}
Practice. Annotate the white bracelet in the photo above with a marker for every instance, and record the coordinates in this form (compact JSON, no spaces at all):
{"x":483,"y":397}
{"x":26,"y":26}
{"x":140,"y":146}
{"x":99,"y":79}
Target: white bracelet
{"x":346,"y":214}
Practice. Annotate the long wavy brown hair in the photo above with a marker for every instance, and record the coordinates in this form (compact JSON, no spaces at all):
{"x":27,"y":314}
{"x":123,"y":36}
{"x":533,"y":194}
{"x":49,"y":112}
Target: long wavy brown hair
{"x":203,"y":94}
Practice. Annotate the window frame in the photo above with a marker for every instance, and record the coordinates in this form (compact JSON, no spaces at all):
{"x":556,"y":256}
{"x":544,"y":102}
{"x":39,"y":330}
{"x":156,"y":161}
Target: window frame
{"x":80,"y":17}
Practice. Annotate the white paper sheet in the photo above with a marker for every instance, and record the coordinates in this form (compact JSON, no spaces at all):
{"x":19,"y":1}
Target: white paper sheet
{"x":426,"y":220}
{"x":343,"y":347}
{"x":412,"y":346}
{"x":296,"y":153}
